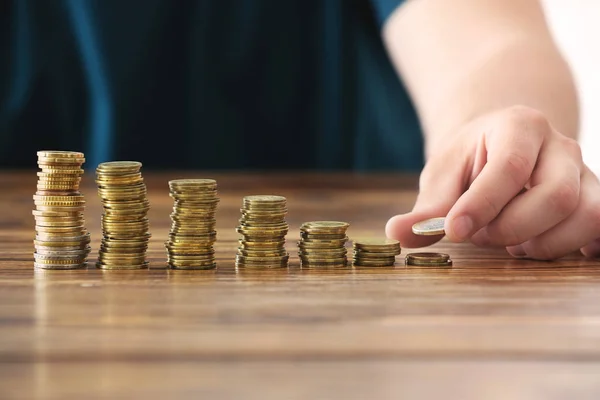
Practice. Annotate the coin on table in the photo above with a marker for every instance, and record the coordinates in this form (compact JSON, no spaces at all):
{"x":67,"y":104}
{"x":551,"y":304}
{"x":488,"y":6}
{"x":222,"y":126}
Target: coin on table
{"x":430,"y":227}
{"x":428,"y":259}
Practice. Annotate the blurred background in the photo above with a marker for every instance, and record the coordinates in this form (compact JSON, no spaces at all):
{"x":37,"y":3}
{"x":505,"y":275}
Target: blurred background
{"x":194,"y":86}
{"x":576,"y":27}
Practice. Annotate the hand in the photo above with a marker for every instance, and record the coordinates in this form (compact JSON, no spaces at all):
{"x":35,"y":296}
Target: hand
{"x":509,"y":179}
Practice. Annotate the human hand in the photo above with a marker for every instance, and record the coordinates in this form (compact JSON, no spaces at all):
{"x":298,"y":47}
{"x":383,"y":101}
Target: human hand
{"x":508,"y":179}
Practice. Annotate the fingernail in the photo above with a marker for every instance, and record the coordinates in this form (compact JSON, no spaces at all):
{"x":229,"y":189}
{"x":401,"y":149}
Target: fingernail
{"x":516,"y":251}
{"x":462,"y":227}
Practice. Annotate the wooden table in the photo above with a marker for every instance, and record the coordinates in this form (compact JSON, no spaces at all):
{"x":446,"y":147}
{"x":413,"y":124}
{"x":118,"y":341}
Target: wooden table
{"x":490,"y":327}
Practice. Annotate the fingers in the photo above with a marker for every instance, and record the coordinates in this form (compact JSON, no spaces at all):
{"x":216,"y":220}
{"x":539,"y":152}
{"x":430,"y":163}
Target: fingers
{"x":553,"y":196}
{"x":580,"y":229}
{"x":513,"y":149}
{"x":439,"y":187}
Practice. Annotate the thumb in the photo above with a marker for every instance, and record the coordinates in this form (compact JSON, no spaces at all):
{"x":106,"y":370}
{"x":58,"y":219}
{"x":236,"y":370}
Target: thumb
{"x":440,"y":186}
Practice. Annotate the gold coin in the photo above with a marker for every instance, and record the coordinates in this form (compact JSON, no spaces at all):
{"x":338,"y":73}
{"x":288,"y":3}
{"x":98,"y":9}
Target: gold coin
{"x":376,"y":244}
{"x":55,"y":189}
{"x":65,"y":162}
{"x":324,"y":226}
{"x":68,"y":259}
{"x":382,"y":261}
{"x":124,"y":178}
{"x":59,"y":154}
{"x":102,"y":265}
{"x":54,"y":228}
{"x":374,"y":255}
{"x":266,"y":213}
{"x":428,"y":259}
{"x":430,"y":227}
{"x":358,"y":263}
{"x":258,"y":253}
{"x":193,"y":266}
{"x":75,"y":197}
{"x":120,"y":166}
{"x":60,"y":266}
{"x":47,"y":165}
{"x":264,"y":199}
{"x":317,"y":265}
{"x":184,"y":184}
{"x":312,"y":237}
{"x":240,"y":263}
{"x":50,"y":251}
{"x":64,"y":157}
{"x":133,"y":206}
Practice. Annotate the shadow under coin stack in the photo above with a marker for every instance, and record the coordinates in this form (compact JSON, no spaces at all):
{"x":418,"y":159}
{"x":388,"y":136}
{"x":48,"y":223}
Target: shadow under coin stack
{"x":124,"y":222}
{"x":193,"y":234}
{"x":323,"y":244}
{"x":263,"y":229}
{"x":61,"y":240}
{"x":376,"y":253}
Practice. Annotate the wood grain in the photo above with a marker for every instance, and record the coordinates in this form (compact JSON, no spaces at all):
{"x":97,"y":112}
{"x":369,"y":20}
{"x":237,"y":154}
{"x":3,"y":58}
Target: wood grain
{"x":295,"y":333}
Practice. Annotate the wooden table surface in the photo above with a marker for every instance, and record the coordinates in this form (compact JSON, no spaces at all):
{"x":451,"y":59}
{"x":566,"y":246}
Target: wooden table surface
{"x":489,"y":328}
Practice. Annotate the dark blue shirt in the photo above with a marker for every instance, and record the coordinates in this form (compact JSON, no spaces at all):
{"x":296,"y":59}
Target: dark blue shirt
{"x":256,"y":84}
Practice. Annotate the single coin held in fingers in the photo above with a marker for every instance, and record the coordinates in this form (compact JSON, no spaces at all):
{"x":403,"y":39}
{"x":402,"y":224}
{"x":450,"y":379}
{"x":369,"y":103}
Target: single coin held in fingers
{"x":429,"y":227}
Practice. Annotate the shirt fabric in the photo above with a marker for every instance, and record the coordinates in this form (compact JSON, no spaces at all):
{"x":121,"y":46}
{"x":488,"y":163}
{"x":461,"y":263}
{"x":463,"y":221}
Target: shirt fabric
{"x":244,"y":84}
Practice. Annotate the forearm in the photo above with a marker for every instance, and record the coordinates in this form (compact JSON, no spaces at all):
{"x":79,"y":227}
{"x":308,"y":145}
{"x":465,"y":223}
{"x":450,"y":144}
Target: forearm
{"x":518,"y":74}
{"x":502,"y":68}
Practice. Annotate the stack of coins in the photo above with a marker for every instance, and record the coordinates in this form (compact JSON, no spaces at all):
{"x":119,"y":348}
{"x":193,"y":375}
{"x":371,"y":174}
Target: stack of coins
{"x":323,"y":244}
{"x":61,"y":240}
{"x":190,"y":244}
{"x":262,"y":229}
{"x":428,"y":259}
{"x":375,"y":253}
{"x":124,"y":222}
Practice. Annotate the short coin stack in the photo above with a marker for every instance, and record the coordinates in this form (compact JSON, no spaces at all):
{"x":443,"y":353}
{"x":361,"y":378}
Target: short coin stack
{"x":263,"y":229}
{"x":323,"y":244}
{"x":124,"y":222}
{"x":61,"y":240}
{"x":190,"y":244}
{"x":375,"y":253}
{"x":428,"y":259}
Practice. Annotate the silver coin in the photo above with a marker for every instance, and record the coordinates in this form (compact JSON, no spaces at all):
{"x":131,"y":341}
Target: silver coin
{"x":430,"y":227}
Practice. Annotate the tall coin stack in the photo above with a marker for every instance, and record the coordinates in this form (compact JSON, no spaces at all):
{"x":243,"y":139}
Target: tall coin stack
{"x":190,"y":244}
{"x":262,"y":229}
{"x":375,"y":253}
{"x":124,"y":223}
{"x":323,"y":244}
{"x":61,"y":240}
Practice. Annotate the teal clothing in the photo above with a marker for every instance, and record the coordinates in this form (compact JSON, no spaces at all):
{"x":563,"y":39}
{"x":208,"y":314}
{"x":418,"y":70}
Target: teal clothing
{"x":206,"y":84}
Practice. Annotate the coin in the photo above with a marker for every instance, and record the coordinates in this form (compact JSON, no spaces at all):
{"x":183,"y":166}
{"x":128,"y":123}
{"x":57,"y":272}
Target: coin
{"x":325,"y":227}
{"x":104,"y":170}
{"x":323,"y":244}
{"x":429,"y":227}
{"x":59,"y":154}
{"x":184,"y":185}
{"x":428,"y":259}
{"x":262,"y":228}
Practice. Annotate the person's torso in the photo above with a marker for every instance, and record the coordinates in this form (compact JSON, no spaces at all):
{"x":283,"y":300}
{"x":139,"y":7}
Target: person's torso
{"x":294,"y":84}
